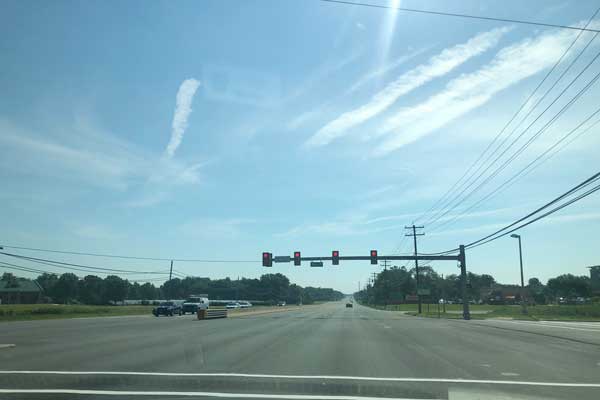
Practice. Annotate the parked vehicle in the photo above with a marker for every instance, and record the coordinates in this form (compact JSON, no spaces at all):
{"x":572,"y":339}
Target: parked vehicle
{"x":281,"y":304}
{"x":232,"y":305}
{"x":195,"y":303}
{"x":168,"y":308}
{"x":245,"y":304}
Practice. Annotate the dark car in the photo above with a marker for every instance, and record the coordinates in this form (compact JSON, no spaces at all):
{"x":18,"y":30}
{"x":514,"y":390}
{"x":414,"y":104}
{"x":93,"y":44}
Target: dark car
{"x":349,"y":305}
{"x":169,"y":308}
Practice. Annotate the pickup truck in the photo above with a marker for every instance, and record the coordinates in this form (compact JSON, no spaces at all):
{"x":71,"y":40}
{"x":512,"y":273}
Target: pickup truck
{"x":168,"y":308}
{"x":195,"y":303}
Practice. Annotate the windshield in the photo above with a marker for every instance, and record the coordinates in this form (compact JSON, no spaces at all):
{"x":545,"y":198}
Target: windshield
{"x":342,"y":199}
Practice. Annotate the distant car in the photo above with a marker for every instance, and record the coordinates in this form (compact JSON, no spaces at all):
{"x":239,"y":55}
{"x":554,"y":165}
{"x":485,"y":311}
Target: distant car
{"x":194,"y":303}
{"x":232,"y":305}
{"x":349,"y":305}
{"x":168,"y":308}
{"x":245,"y":304}
{"x":281,"y":304}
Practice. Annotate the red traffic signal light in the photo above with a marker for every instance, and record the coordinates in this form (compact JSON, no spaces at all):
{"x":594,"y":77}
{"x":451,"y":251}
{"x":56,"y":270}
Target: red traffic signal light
{"x":267,"y":259}
{"x":335,"y":257}
{"x":373,"y":256}
{"x":297,"y":260}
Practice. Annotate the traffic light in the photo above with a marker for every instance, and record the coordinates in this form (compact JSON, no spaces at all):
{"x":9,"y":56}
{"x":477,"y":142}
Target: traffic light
{"x":267,"y":259}
{"x":373,"y":256}
{"x":335,"y":257}
{"x":297,"y":258}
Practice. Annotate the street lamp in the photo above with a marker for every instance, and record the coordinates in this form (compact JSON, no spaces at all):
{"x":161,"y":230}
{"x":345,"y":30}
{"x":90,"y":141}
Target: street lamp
{"x":523,"y":306}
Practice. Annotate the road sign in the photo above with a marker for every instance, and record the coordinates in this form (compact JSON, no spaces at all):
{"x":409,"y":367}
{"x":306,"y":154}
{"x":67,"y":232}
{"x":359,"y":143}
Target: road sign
{"x":280,"y":259}
{"x":424,"y":292}
{"x":316,"y":263}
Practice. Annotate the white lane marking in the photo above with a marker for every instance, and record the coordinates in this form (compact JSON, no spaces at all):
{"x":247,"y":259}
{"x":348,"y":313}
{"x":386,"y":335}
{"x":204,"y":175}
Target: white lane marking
{"x":7,"y":345}
{"x":509,"y":374}
{"x":324,"y":377}
{"x":572,"y":323}
{"x":194,"y":394}
{"x":546,"y":325}
{"x":485,"y":365}
{"x":387,"y":327}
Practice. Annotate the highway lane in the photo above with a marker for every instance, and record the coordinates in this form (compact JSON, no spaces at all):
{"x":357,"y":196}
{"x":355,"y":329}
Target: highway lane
{"x":325,"y":341}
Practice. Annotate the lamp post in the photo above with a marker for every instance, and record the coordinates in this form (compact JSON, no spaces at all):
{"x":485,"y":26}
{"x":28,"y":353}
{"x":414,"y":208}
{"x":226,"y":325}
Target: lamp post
{"x":523,"y":306}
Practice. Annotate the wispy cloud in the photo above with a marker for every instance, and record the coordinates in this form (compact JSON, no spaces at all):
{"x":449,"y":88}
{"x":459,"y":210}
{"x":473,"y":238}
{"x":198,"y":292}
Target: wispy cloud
{"x":316,"y":112}
{"x":511,"y":65}
{"x":89,"y":155}
{"x":437,"y":66}
{"x":183,"y":109}
{"x":379,"y":72}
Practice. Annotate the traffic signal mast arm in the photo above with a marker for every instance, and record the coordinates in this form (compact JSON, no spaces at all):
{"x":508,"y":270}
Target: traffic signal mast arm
{"x":367,"y":258}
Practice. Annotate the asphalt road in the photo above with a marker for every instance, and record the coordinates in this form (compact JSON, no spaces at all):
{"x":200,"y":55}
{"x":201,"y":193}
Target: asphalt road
{"x":325,"y":350}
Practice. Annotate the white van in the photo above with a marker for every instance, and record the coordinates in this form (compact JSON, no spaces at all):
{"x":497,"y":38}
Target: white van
{"x":195,"y":303}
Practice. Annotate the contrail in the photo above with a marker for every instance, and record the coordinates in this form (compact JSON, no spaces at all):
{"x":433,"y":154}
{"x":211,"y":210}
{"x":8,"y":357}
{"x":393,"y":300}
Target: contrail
{"x":183,"y":109}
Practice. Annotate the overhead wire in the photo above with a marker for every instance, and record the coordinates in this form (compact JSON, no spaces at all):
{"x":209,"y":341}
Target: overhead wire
{"x":123,"y":256}
{"x":497,"y":234}
{"x":527,"y":143}
{"x":527,"y":169}
{"x":459,"y":15}
{"x":79,"y":267}
{"x":444,"y":197}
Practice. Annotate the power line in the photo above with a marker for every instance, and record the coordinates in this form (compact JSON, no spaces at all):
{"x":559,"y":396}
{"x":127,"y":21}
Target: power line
{"x":21,"y":268}
{"x":529,"y":167}
{"x":582,"y":185}
{"x":498,"y":234}
{"x":558,"y":208}
{"x":526,"y":144}
{"x":437,"y":216}
{"x":449,"y":191}
{"x":447,"y":14}
{"x":122,"y":256}
{"x":81,"y":267}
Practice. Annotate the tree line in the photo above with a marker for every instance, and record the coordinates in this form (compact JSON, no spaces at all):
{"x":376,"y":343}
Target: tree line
{"x":91,"y":289}
{"x":393,"y":285}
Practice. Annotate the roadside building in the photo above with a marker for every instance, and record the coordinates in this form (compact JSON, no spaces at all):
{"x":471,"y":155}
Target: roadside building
{"x":20,"y":291}
{"x":504,"y":294}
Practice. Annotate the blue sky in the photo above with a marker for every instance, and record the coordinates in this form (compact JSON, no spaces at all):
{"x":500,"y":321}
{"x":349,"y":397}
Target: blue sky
{"x":221,"y":129}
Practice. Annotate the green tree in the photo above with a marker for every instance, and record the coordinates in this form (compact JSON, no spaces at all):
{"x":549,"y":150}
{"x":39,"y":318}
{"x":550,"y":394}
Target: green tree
{"x":115,"y":288}
{"x":148,"y":291}
{"x":570,"y":286}
{"x":91,"y":290}
{"x":10,"y":279}
{"x":65,"y":289}
{"x":537,"y":290}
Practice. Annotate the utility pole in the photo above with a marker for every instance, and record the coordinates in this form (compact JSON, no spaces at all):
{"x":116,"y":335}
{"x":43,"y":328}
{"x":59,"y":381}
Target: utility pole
{"x":463,"y":282}
{"x":414,"y":234}
{"x":523,"y":303}
{"x":385,"y":264}
{"x":171,"y":271}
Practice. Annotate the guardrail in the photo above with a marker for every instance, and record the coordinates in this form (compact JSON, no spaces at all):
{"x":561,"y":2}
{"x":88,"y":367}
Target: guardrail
{"x":212,"y":313}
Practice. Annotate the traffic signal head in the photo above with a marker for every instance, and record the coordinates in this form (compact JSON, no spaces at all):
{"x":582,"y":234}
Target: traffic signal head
{"x":297,"y":258}
{"x":335,"y":257}
{"x":267,"y":259}
{"x":373,"y":256}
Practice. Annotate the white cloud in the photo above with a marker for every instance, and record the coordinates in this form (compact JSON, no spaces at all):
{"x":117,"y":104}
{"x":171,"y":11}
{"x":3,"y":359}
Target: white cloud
{"x":84,"y":153}
{"x":379,"y":72}
{"x":307,"y":116}
{"x":437,"y":66}
{"x":511,"y":65}
{"x":183,"y":109}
